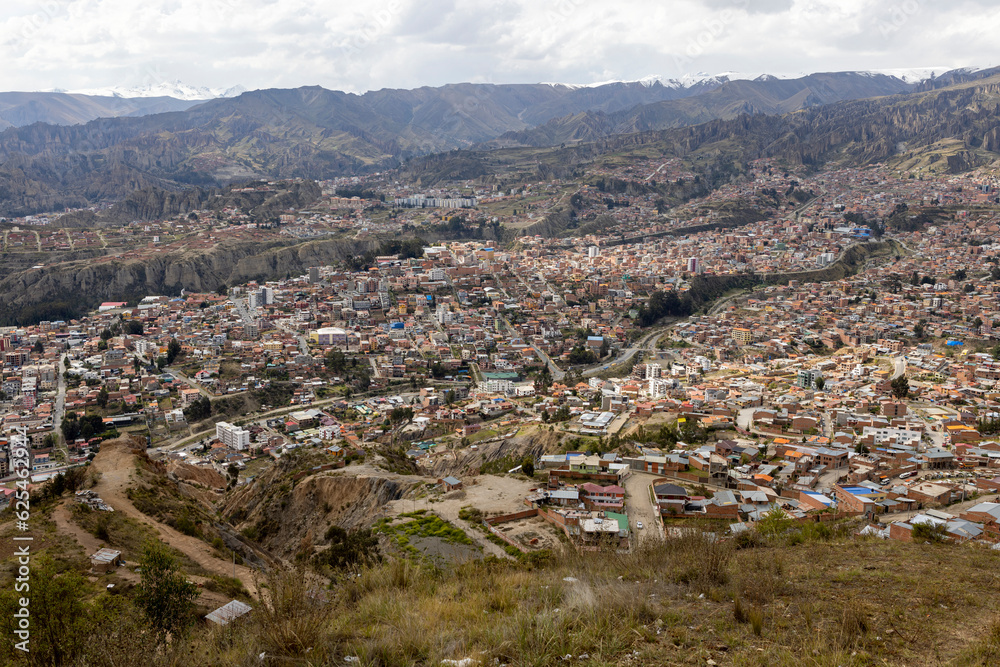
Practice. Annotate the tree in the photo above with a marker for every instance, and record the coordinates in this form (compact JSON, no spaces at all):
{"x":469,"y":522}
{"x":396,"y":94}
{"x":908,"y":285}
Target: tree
{"x":234,"y":473}
{"x":927,"y":532}
{"x":200,"y":408}
{"x":918,"y":328}
{"x":124,"y":637}
{"x":38,"y":348}
{"x":363,"y":377}
{"x":59,"y":617}
{"x":581,"y":355}
{"x":335,"y":361}
{"x":70,"y":427}
{"x":134,"y":328}
{"x":350,"y":549}
{"x":222,"y":290}
{"x":820,"y":383}
{"x":528,"y":466}
{"x":959,"y":275}
{"x":164,"y":595}
{"x":106,"y":334}
{"x":400,"y":414}
{"x":173,"y":350}
{"x":74,"y":478}
{"x":900,"y":387}
{"x":102,"y":398}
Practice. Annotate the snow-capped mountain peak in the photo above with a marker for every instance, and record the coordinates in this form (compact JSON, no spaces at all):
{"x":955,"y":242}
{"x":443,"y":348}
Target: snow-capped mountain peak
{"x":176,"y":89}
{"x":907,"y":75}
{"x":915,"y":74}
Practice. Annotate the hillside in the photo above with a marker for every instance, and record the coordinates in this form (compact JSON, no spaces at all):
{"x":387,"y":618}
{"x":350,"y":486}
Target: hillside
{"x":316,"y":133}
{"x":813,"y":595}
{"x":282,"y":508}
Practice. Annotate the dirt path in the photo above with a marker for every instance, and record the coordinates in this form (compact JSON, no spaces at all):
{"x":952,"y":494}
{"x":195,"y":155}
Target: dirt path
{"x":66,"y":526}
{"x":117,"y":467}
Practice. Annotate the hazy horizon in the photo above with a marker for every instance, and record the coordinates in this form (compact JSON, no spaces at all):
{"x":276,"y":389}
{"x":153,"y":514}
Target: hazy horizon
{"x":105,"y":44}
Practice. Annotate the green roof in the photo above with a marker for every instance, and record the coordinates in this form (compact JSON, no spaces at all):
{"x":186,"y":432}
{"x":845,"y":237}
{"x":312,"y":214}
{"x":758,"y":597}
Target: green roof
{"x":620,"y":518}
{"x":500,"y":376}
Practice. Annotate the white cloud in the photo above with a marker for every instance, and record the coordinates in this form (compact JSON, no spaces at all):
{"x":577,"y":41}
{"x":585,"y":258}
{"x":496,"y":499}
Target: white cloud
{"x":404,"y":43}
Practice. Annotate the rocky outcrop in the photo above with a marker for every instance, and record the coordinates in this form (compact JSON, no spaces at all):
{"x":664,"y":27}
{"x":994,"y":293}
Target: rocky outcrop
{"x":72,"y":288}
{"x":279,"y":513}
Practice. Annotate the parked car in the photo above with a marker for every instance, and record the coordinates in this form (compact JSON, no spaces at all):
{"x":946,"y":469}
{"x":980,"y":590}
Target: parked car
{"x":638,"y":524}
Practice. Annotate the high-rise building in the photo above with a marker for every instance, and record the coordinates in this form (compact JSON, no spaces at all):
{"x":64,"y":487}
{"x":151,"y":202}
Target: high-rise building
{"x":314,"y":274}
{"x":232,"y":436}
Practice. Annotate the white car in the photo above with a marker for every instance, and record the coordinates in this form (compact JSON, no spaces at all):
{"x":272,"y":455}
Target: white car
{"x":638,"y":524}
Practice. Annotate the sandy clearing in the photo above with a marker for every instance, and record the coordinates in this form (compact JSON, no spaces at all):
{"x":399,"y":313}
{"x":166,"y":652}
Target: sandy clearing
{"x":490,"y":493}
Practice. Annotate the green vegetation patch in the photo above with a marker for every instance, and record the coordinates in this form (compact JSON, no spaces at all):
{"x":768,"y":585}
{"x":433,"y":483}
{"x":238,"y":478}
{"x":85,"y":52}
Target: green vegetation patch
{"x":420,"y":524}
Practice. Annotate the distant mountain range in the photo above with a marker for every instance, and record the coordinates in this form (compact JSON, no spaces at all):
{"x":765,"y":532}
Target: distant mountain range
{"x":763,"y":95}
{"x":317,"y":133}
{"x":175,"y":89}
{"x":61,"y":107}
{"x":949,"y":126}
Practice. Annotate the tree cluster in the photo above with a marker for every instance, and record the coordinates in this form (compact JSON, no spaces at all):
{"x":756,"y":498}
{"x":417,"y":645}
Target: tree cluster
{"x":85,"y":427}
{"x":200,"y":408}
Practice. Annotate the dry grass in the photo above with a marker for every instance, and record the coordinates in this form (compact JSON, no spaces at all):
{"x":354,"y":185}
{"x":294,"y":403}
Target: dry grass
{"x":818,"y":604}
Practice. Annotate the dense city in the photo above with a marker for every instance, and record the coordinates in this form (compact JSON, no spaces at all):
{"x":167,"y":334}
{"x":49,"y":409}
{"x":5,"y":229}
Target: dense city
{"x":871,"y":395}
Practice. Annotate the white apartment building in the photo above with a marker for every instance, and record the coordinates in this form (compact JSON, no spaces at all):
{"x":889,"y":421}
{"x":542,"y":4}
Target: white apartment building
{"x":232,"y":436}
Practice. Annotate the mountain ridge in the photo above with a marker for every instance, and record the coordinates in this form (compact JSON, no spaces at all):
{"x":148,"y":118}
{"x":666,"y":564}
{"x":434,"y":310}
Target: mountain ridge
{"x":312,"y":132}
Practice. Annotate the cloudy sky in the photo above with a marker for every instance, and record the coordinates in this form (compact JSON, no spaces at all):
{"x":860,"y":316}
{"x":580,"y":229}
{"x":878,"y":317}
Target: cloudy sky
{"x":358,"y":46}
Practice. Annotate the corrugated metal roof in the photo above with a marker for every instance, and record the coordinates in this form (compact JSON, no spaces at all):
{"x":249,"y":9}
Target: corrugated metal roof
{"x":229,"y":612}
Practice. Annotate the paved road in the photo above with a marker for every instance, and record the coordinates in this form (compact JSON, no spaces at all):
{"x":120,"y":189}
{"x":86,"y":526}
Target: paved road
{"x":899,"y":367}
{"x":194,"y":384}
{"x":191,"y":439}
{"x":648,"y":342}
{"x":557,"y":373}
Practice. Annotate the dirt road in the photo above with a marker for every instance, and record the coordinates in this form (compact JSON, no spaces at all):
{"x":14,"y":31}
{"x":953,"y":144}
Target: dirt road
{"x":117,"y":467}
{"x":639,"y":507}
